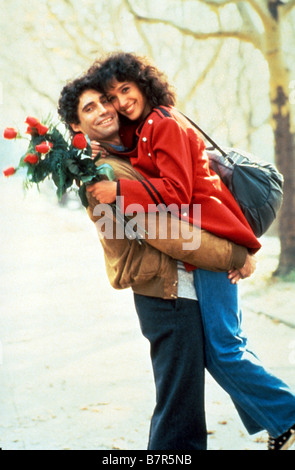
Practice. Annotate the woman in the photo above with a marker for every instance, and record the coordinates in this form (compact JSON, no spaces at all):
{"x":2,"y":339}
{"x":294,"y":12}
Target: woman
{"x":168,"y":152}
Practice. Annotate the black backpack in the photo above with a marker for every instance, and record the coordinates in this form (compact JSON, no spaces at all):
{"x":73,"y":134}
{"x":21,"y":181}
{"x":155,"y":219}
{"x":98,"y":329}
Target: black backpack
{"x":257,"y":186}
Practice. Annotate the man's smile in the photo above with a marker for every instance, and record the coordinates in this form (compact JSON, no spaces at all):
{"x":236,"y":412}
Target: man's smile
{"x":105,"y":122}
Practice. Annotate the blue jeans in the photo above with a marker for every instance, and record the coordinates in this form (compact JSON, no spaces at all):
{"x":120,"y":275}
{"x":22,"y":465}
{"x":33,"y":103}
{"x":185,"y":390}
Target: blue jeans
{"x":262,"y":400}
{"x":174,"y":330}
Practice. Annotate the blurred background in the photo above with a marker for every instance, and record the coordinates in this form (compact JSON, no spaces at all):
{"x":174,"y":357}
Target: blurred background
{"x":216,"y":56}
{"x":67,"y":339}
{"x":231,"y":62}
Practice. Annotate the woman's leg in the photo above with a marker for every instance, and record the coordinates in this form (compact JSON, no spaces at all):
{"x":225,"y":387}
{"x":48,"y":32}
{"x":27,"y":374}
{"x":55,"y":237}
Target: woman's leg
{"x":262,"y":396}
{"x":174,"y":330}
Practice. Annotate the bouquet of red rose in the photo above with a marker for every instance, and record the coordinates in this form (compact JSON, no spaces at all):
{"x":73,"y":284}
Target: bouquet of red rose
{"x":66,"y":161}
{"x":51,"y":155}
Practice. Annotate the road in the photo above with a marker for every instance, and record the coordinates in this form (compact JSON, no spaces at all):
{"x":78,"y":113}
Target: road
{"x":75,"y":370}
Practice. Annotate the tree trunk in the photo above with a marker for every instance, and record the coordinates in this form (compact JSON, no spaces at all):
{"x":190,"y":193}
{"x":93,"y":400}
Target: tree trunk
{"x":285,"y":160}
{"x":284,"y":146}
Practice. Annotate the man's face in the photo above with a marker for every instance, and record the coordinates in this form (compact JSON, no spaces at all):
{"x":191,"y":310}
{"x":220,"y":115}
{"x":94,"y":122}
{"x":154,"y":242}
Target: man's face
{"x":98,"y":117}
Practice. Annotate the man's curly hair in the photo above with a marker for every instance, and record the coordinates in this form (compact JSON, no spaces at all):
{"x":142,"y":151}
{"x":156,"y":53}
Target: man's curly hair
{"x":69,"y":99}
{"x":124,"y":66}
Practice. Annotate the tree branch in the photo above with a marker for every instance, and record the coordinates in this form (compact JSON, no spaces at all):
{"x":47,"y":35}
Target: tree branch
{"x":255,"y":4}
{"x":287,"y":8}
{"x":216,"y":4}
{"x":140,"y":31}
{"x":26,"y":77}
{"x":245,"y":36}
{"x":189,"y":95}
{"x":76,"y":44}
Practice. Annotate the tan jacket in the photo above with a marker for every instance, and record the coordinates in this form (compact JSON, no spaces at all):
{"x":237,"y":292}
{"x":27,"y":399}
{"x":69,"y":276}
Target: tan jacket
{"x":150,"y":268}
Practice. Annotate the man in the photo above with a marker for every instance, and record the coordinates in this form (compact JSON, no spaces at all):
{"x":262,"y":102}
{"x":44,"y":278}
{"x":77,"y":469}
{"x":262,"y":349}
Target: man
{"x":169,"y":313}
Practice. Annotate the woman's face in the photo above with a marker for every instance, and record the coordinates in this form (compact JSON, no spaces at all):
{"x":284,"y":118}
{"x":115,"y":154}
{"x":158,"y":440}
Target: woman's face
{"x":128,"y":100}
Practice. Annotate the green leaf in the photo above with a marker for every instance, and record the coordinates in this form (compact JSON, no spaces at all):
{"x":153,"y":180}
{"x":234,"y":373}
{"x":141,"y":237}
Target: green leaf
{"x":87,"y":179}
{"x":106,"y":170}
{"x":73,"y":167}
{"x":83,"y":196}
{"x":98,"y":156}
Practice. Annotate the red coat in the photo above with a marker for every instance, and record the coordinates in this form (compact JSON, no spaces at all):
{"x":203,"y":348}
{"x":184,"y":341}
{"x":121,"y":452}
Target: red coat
{"x":170,"y":155}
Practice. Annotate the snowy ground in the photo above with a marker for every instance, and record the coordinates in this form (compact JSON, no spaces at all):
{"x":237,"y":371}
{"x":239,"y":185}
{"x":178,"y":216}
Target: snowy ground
{"x":75,"y":370}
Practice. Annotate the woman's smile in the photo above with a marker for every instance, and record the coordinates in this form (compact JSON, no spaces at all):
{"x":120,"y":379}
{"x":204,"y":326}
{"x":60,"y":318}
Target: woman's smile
{"x":128,"y":100}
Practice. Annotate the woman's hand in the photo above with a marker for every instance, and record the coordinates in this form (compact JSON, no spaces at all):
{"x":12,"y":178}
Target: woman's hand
{"x":96,"y":148}
{"x":246,"y":271}
{"x":105,"y":191}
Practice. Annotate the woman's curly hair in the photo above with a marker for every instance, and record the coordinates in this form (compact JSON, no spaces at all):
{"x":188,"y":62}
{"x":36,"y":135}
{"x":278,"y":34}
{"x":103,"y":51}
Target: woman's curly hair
{"x":124,"y":66}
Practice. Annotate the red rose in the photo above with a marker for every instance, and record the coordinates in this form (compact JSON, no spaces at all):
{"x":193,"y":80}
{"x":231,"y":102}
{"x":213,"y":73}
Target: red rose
{"x":10,"y":133}
{"x":31,"y":158}
{"x":42,"y":129}
{"x":79,"y":141}
{"x":50,"y":144}
{"x":42,"y":148}
{"x":30,"y":130}
{"x":10,"y":171}
{"x":31,"y":121}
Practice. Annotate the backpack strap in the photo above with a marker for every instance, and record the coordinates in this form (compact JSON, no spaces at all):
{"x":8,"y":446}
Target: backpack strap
{"x":166,"y":113}
{"x":162,"y":112}
{"x":207,"y":137}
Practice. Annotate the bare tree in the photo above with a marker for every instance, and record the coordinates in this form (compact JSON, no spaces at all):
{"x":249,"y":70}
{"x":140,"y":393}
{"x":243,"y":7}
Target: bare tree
{"x":262,"y":23}
{"x":55,"y":41}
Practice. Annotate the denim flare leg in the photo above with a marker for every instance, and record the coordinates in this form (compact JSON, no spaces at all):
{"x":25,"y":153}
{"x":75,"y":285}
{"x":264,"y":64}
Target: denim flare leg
{"x":260,"y":397}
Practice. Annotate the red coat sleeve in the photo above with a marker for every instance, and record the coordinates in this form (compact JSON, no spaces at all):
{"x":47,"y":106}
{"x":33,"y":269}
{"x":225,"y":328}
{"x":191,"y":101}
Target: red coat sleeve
{"x":171,"y":158}
{"x":165,"y":160}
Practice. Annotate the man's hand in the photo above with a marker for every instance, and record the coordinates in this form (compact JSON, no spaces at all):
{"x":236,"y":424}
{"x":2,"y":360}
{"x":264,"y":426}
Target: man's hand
{"x":96,"y":148}
{"x":246,"y":271}
{"x":105,"y":191}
